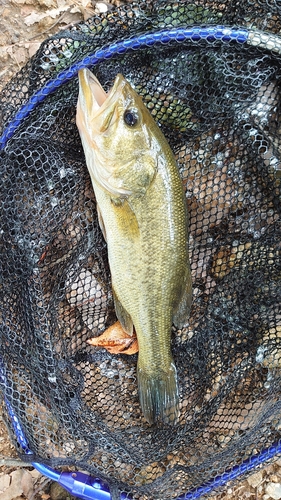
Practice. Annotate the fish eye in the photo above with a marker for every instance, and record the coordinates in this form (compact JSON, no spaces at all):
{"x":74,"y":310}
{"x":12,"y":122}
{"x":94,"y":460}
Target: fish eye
{"x":130,"y":117}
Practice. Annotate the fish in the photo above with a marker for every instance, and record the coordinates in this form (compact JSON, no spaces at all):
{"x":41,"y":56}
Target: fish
{"x":142,"y":213}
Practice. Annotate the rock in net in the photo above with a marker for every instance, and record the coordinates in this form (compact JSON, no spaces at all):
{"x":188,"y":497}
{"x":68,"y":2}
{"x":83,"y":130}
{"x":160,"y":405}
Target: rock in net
{"x":217,"y":101}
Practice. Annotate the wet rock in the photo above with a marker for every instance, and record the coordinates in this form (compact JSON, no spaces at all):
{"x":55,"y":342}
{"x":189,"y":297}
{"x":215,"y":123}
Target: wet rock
{"x":274,"y":490}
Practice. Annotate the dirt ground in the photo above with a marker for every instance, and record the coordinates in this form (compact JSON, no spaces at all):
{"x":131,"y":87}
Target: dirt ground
{"x":24,"y":24}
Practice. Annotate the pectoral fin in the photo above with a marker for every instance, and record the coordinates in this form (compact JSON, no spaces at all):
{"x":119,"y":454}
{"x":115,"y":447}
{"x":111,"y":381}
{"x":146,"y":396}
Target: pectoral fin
{"x":101,"y":223}
{"x":181,"y":313}
{"x":116,"y":341}
{"x":123,"y":316}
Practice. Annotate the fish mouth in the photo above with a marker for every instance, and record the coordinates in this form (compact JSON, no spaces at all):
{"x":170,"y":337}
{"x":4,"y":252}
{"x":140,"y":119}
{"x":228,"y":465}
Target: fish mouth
{"x":96,"y":110}
{"x":92,"y":91}
{"x":96,"y":99}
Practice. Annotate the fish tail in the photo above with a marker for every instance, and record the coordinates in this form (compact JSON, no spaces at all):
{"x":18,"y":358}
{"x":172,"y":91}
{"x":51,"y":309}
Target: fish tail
{"x":158,"y":394}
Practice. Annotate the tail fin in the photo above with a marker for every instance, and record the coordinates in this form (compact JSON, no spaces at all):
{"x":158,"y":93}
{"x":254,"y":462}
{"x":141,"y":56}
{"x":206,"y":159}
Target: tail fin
{"x":158,"y":394}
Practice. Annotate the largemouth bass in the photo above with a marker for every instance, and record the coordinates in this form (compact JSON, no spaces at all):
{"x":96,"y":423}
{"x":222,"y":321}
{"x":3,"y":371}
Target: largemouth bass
{"x":142,"y":213}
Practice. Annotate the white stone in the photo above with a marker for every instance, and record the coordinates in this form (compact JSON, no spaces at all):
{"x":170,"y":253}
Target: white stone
{"x":101,"y":7}
{"x":274,"y":490}
{"x":255,"y":480}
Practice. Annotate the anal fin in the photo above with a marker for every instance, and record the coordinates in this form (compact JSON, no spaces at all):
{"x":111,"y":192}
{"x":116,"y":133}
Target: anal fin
{"x":182,"y":311}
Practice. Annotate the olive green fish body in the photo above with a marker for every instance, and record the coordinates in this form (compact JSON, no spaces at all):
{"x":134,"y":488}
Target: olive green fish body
{"x":142,"y":212}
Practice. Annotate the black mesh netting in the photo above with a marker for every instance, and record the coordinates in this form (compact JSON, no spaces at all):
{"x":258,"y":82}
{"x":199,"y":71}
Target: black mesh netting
{"x":218,"y":104}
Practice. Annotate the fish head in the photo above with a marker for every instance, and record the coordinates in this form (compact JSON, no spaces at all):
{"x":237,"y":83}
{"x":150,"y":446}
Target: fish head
{"x":119,"y":136}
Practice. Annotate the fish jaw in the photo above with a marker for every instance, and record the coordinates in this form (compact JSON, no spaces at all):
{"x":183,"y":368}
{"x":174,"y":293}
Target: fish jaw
{"x":91,"y":90}
{"x":95,"y":106}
